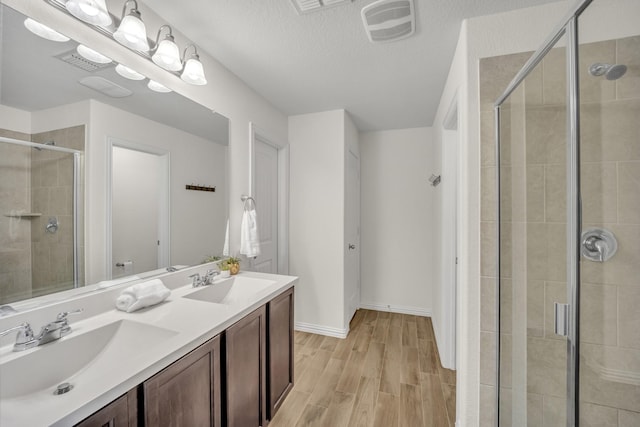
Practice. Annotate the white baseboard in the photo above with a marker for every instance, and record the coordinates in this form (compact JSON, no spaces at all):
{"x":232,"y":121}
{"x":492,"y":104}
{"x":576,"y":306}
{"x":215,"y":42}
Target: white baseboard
{"x":416,"y":311}
{"x":321,"y":330}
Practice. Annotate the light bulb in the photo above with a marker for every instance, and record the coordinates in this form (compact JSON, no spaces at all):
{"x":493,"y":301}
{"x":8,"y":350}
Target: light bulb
{"x":43,"y":31}
{"x":128,"y":73}
{"x":91,"y":11}
{"x":157,"y":87}
{"x":92,"y":55}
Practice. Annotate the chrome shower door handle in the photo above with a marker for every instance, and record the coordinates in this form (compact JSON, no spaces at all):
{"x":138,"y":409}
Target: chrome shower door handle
{"x":561,"y":319}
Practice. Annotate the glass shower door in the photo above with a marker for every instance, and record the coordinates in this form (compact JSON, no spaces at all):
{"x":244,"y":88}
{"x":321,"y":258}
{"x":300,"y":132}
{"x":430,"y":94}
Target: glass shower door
{"x":609,"y":381}
{"x":533,"y":245}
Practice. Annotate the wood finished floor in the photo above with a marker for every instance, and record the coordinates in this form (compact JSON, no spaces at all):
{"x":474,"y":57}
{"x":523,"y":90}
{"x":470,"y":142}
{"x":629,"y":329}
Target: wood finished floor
{"x":385,"y":373}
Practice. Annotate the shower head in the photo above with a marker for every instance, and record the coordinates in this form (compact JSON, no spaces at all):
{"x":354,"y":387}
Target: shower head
{"x":609,"y":71}
{"x":46,"y":143}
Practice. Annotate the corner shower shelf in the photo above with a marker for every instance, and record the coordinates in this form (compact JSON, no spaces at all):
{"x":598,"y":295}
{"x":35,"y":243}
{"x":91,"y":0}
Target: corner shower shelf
{"x":26,"y":215}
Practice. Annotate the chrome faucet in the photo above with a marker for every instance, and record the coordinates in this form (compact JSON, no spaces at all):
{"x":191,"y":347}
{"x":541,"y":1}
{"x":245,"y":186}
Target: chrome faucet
{"x":198,"y":280}
{"x":56,"y":329}
{"x":25,"y":339}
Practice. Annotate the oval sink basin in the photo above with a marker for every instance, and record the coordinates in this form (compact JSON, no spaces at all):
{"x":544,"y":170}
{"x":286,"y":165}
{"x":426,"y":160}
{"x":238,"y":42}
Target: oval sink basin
{"x":231,"y":291}
{"x":104,"y":348}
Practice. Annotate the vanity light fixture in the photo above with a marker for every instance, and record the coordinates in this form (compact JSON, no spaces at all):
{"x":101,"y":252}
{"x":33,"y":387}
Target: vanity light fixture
{"x":131,"y":32}
{"x":193,"y":72}
{"x":128,"y":73}
{"x":90,"y":11}
{"x":43,"y":31}
{"x":166,"y":53}
{"x":157,"y":87}
{"x":92,"y":55}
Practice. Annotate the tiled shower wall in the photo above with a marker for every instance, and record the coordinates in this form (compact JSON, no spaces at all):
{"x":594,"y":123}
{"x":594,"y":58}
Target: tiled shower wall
{"x":34,"y":262}
{"x":610,"y":340}
{"x":15,"y":233}
{"x":52,"y":194}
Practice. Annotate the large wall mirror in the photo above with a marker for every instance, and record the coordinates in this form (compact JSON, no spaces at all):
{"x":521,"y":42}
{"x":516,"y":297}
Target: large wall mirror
{"x":101,"y":178}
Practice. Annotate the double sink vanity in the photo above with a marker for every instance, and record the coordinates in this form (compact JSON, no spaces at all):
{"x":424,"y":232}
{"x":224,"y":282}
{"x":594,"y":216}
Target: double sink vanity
{"x":216,"y":355}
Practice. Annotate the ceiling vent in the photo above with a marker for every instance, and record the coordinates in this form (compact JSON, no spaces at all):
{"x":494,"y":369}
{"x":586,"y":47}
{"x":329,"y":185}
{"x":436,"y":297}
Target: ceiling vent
{"x":307,"y":6}
{"x":73,"y":57}
{"x":106,"y":87}
{"x":389,"y":20}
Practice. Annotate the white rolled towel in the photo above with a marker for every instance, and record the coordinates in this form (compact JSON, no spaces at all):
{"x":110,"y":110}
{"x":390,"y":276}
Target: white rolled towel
{"x":142,"y":295}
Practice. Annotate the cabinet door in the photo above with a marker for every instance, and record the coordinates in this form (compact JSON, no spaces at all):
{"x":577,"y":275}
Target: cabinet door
{"x":280,"y":348}
{"x":187,"y":393}
{"x":246,"y":371}
{"x":122,"y":412}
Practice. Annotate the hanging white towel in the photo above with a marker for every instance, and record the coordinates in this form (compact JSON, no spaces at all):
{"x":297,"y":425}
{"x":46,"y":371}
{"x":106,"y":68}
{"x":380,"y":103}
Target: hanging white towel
{"x":225,"y":249}
{"x":249,"y":241}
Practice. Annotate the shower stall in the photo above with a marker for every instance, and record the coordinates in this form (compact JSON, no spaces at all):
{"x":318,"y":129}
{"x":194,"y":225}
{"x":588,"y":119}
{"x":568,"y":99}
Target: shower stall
{"x":568,"y":228}
{"x":40,"y":213}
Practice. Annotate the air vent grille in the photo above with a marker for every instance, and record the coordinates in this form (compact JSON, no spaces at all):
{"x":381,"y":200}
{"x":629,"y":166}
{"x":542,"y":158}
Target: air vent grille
{"x":73,"y":58}
{"x":389,"y":20}
{"x":307,"y":6}
{"x":106,"y":87}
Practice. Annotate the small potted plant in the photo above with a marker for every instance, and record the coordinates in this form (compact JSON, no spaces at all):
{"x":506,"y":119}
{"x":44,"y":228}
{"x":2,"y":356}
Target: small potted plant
{"x":234,"y":265}
{"x":224,"y":268}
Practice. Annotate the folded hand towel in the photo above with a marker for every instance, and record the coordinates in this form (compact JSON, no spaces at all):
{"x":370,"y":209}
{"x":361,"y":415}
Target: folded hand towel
{"x":142,"y":295}
{"x":249,"y":241}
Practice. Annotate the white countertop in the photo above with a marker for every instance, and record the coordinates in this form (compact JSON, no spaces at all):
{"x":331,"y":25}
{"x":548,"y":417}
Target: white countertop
{"x":194,"y":322}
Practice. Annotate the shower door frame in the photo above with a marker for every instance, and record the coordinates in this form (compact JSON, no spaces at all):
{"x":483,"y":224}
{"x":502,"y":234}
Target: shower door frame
{"x":77,"y":178}
{"x":569,"y":27}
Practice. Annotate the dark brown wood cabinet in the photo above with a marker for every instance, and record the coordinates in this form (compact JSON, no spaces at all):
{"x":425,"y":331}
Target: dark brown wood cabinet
{"x":237,"y":379}
{"x":280,"y":350}
{"x":187,"y":393}
{"x":246,"y":371}
{"x":122,"y":412}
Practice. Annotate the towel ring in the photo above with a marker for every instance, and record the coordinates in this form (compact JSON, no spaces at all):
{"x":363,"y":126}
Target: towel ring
{"x":247,"y":202}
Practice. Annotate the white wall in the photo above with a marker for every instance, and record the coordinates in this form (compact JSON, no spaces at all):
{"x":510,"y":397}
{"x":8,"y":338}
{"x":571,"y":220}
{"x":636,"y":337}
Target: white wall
{"x":398,"y":210}
{"x":316,"y":229}
{"x":193,"y":160}
{"x":15,"y":119}
{"x":225,"y":93}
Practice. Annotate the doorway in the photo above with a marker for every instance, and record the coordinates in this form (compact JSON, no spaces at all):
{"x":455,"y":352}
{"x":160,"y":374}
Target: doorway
{"x":270,"y":189}
{"x":138,"y":209}
{"x":352,"y":236}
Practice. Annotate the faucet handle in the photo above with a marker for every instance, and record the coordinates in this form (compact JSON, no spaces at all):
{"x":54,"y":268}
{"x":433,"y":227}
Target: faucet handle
{"x":24,"y":339}
{"x":64,"y":314}
{"x":197,"y":280}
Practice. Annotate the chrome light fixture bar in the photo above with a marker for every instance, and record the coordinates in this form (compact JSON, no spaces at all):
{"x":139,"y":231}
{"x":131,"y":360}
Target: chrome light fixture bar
{"x":132,"y":32}
{"x":166,"y":53}
{"x":193,"y":72}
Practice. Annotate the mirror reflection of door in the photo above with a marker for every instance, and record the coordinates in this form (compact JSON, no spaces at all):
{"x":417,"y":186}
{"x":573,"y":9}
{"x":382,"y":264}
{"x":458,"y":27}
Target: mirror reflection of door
{"x":265,"y":185}
{"x":137,"y":204}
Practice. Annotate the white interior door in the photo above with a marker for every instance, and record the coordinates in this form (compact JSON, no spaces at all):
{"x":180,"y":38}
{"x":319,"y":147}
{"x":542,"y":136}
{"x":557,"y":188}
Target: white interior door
{"x":135,"y":211}
{"x":352,"y":236}
{"x":265,"y":193}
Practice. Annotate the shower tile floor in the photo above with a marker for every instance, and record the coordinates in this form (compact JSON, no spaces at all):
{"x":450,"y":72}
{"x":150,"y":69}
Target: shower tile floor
{"x":385,"y":373}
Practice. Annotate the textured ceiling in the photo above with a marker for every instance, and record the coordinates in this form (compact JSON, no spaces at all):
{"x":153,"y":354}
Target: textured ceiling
{"x":323,"y":60}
